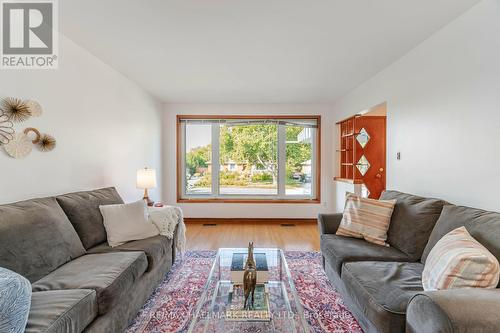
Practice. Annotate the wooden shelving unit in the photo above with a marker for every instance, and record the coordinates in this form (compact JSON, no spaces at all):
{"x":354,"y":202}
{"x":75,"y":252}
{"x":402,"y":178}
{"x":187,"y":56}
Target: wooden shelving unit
{"x":361,"y":151}
{"x":347,"y":150}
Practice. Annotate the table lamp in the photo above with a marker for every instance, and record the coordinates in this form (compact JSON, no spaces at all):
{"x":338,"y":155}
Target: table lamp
{"x":146,"y":179}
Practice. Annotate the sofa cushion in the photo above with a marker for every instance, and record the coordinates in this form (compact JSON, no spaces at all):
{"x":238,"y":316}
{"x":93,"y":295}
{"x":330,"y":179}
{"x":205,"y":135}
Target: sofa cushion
{"x":127,"y":222}
{"x":111,"y":275}
{"x":83,"y":211}
{"x":338,"y":250}
{"x":458,"y":261}
{"x":57,"y":311}
{"x":366,"y":219}
{"x":484,"y":226}
{"x":36,"y":238}
{"x":382,"y":290}
{"x":157,"y":249}
{"x":412,"y":222}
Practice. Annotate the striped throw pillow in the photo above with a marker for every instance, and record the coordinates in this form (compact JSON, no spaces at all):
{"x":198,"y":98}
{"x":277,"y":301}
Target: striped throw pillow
{"x":366,"y":218}
{"x":459,"y":261}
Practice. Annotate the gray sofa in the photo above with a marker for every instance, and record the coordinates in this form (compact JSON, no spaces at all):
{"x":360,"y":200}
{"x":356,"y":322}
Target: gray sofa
{"x":382,"y":286}
{"x":79,"y":283}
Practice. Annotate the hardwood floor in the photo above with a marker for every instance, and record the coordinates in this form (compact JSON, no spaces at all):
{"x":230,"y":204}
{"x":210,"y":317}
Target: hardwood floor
{"x":301,"y":236}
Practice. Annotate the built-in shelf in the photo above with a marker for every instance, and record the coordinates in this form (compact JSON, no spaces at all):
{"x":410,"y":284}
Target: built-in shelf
{"x":350,"y":181}
{"x":347,"y":149}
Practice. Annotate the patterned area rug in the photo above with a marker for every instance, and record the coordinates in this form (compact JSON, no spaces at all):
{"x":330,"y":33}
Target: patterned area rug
{"x":170,"y":307}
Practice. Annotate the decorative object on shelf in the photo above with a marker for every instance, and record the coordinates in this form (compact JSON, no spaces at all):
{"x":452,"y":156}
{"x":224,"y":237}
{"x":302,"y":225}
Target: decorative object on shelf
{"x":15,"y":109}
{"x":34,"y":107}
{"x":6,"y":129}
{"x":19,"y":147}
{"x":249,"y":279}
{"x":146,"y":179}
{"x":28,"y":130}
{"x":46,"y":143}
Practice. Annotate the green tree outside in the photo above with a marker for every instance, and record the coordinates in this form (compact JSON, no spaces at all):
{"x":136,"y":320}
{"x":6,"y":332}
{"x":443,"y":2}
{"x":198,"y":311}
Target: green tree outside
{"x":198,"y":158}
{"x":251,"y":145}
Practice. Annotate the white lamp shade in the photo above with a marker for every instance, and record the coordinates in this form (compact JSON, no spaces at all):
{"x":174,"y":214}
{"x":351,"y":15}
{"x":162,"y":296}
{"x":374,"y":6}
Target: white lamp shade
{"x":146,"y":178}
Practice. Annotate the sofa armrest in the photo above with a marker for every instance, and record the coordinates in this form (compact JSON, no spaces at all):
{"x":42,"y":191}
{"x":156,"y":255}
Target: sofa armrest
{"x":459,"y":310}
{"x":328,"y":223}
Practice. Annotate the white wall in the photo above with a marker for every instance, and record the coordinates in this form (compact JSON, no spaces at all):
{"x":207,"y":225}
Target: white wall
{"x":105,"y":125}
{"x":229,"y":210}
{"x":444,"y":111}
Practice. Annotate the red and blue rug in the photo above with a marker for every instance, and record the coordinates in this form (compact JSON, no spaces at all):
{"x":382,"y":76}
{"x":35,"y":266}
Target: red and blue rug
{"x":171,"y":306}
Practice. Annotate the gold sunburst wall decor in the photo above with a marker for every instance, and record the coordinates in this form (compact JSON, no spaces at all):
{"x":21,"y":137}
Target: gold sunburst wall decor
{"x":15,"y":109}
{"x":46,"y":143}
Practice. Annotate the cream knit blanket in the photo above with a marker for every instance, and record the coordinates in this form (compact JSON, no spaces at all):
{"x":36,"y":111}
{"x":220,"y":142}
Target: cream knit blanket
{"x":166,"y":218}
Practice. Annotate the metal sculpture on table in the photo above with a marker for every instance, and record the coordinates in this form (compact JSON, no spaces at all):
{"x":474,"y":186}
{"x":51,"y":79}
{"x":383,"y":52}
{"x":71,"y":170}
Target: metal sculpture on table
{"x":249,"y":279}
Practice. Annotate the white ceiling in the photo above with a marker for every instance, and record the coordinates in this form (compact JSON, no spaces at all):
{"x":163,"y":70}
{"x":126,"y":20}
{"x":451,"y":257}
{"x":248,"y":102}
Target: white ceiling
{"x":253,"y":51}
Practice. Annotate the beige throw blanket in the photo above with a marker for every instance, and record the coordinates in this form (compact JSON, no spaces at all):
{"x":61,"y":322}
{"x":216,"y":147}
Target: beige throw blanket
{"x":166,"y":218}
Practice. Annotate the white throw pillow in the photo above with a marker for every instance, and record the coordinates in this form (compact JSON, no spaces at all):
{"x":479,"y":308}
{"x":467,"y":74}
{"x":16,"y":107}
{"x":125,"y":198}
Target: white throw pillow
{"x":127,"y":222}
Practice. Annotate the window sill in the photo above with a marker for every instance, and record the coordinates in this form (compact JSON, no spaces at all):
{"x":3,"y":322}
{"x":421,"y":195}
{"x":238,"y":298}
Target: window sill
{"x":249,"y":201}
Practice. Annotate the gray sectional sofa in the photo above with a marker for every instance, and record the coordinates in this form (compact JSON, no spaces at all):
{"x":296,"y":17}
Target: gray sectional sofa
{"x":382,"y":286}
{"x":79,"y":283}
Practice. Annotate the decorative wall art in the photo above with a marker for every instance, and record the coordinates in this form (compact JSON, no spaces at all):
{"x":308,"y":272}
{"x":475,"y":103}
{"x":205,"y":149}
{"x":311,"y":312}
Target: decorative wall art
{"x":46,"y":143}
{"x":16,"y":109}
{"x":19,"y":145}
{"x":35,"y":108}
{"x":36,"y":132}
{"x":6,"y":129}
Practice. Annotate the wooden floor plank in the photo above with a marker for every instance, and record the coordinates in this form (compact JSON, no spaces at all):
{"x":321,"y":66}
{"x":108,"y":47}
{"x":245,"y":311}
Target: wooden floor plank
{"x":302,"y":236}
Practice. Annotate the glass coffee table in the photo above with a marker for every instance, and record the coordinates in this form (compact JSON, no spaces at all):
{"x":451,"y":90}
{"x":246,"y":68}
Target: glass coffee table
{"x":287,"y":315}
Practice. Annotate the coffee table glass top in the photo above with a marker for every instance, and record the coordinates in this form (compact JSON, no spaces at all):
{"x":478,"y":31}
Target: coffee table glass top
{"x":287,"y":314}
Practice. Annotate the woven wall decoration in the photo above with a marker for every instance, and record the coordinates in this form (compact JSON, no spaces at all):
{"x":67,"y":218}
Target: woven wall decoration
{"x":19,"y":145}
{"x":34,"y":107}
{"x":6,"y":129}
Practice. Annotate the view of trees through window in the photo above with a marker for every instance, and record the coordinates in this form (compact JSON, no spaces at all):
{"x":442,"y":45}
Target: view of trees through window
{"x":198,"y":157}
{"x":249,"y":162}
{"x":248,"y":159}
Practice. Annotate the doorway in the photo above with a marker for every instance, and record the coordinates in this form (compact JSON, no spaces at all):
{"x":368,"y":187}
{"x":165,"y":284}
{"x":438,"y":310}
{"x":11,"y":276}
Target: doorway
{"x":362,"y":152}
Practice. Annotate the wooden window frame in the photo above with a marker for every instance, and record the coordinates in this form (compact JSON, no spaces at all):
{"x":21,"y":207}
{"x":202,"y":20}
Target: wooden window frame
{"x":179,"y":156}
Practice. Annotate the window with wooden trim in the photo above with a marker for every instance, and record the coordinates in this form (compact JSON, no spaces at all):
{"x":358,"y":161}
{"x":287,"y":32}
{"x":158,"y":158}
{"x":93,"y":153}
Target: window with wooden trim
{"x":248,"y":158}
